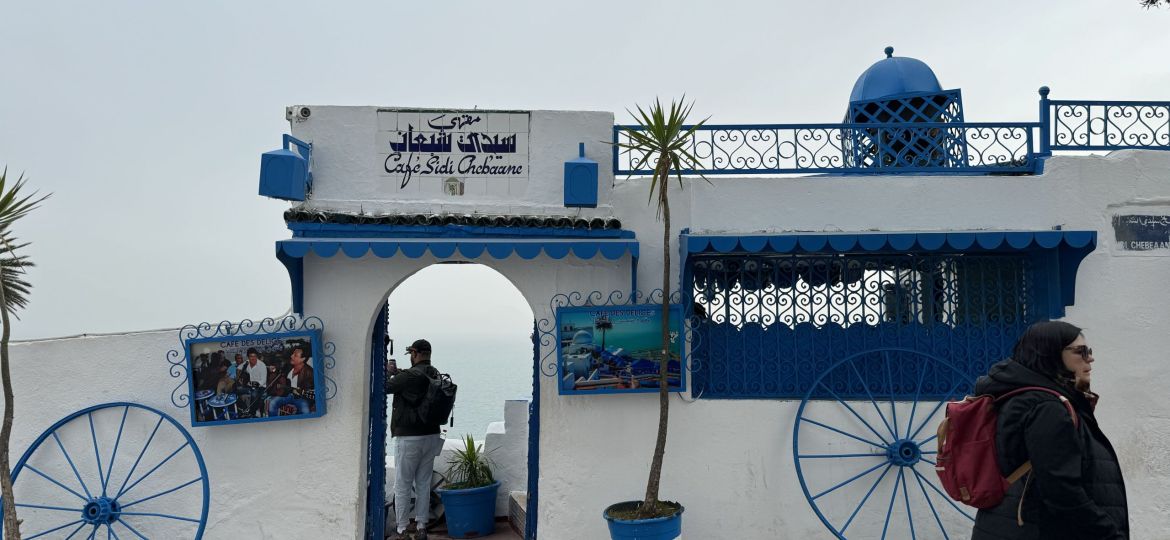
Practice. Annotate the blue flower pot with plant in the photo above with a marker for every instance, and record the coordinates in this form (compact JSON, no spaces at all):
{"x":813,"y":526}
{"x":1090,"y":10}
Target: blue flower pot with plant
{"x":469,"y":496}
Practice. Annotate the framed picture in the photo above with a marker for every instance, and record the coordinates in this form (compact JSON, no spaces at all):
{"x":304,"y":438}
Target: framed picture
{"x":256,"y":378}
{"x":617,"y":349}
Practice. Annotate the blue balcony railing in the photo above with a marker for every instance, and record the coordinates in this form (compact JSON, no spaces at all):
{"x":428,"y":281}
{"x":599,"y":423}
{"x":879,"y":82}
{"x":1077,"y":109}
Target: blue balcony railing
{"x":917,"y":147}
{"x":1108,"y":125}
{"x":893,"y":148}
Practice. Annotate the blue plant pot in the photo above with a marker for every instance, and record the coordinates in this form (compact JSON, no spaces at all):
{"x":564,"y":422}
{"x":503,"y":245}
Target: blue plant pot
{"x":471,"y":513}
{"x":663,"y":528}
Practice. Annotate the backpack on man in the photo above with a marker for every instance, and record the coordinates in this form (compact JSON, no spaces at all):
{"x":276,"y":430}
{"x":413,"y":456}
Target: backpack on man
{"x":438,"y":401}
{"x":967,"y":466}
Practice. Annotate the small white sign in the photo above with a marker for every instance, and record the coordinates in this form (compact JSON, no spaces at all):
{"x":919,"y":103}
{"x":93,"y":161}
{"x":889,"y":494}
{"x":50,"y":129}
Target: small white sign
{"x":424,"y":150}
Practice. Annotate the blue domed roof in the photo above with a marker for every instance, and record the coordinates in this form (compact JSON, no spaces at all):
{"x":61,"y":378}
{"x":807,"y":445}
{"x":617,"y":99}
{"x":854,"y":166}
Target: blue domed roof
{"x":894,"y":76}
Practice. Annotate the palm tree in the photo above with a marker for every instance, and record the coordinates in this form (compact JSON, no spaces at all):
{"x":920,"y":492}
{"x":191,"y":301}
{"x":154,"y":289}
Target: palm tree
{"x":602,"y":323}
{"x":14,"y":291}
{"x":664,"y":140}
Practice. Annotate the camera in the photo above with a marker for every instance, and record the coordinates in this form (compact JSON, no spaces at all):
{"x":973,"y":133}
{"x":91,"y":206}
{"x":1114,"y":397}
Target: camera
{"x":298,"y":112}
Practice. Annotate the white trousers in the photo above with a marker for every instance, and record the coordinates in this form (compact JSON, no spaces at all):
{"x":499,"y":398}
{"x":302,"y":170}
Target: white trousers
{"x":414,"y":467}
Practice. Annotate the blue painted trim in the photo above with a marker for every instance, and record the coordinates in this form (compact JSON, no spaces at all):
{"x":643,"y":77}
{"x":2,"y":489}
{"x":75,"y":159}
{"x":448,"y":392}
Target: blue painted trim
{"x":446,"y":248}
{"x":345,"y":230}
{"x":318,"y":375}
{"x":676,"y":313}
{"x":296,"y":278}
{"x":530,"y":512}
{"x":899,"y":242}
{"x":1109,"y":103}
{"x":163,"y":416}
{"x":376,"y":453}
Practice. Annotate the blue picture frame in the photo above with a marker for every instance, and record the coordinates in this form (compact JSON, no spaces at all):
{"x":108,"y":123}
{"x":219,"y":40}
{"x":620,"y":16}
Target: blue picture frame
{"x":228,"y":395}
{"x":623,"y":358}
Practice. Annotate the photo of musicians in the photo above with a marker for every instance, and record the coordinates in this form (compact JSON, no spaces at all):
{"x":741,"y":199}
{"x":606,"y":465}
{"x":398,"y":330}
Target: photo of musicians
{"x":252,"y":377}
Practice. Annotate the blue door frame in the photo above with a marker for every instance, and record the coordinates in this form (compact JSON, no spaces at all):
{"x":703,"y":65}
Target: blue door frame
{"x":376,"y":463}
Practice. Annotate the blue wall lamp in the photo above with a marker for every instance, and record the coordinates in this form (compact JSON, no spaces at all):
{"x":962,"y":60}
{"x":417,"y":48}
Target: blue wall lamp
{"x":285,"y":174}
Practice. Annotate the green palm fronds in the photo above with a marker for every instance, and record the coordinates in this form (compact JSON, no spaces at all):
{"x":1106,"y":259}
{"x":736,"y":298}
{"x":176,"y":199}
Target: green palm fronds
{"x":469,"y":467}
{"x":662,"y":136}
{"x":13,"y":206}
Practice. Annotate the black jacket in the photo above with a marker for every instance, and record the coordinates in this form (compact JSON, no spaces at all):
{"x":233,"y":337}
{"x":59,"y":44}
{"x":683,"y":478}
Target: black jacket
{"x":1075,"y":490}
{"x":409,"y":387}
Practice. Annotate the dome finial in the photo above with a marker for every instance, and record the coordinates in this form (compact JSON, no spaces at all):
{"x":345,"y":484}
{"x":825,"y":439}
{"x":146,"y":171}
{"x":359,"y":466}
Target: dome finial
{"x":889,"y":52}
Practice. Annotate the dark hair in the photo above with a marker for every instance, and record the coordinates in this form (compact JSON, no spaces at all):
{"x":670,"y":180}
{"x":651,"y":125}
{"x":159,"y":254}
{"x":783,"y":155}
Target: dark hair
{"x":306,"y":351}
{"x":1041,"y":348}
{"x":252,"y":350}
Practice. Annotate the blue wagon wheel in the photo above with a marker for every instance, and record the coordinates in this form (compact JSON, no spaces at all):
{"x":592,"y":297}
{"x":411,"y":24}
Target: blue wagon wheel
{"x":864,"y":443}
{"x":112,"y":471}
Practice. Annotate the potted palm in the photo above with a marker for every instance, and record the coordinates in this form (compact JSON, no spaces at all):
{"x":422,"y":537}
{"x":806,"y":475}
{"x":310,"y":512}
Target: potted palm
{"x":469,"y":496}
{"x":664,"y":140}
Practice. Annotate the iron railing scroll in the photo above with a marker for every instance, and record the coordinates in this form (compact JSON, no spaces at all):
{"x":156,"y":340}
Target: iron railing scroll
{"x":1104,"y":125}
{"x":177,"y":358}
{"x":861,"y":148}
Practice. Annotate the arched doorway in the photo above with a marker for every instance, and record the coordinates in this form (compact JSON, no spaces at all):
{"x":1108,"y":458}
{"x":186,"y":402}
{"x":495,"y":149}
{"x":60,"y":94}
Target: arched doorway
{"x":480,"y":327}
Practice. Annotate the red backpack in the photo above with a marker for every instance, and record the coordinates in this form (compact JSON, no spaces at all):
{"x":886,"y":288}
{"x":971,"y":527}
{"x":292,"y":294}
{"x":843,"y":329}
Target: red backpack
{"x":967,"y":467}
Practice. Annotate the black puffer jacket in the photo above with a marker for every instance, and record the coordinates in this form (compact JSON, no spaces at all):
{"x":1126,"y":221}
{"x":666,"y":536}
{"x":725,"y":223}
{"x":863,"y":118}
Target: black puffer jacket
{"x":1075,"y":490}
{"x":409,"y":386}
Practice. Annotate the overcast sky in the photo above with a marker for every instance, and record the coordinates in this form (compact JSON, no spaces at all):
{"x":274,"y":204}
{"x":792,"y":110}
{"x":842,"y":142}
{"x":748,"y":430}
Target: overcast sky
{"x":146,"y":120}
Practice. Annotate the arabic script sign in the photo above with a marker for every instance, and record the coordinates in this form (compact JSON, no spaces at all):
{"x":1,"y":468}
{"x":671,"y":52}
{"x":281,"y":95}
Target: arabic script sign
{"x":1142,"y":233}
{"x":427,"y":149}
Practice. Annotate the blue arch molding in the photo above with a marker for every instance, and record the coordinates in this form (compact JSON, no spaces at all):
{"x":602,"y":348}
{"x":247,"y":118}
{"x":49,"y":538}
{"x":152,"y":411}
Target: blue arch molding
{"x":293,"y":251}
{"x":1058,"y":254}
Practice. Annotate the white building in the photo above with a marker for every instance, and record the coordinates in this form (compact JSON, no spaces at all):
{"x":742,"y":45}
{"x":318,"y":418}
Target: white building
{"x":905,"y":239}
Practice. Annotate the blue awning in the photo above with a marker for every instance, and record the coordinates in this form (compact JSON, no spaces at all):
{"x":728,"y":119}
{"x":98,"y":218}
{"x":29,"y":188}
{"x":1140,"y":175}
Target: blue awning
{"x":1058,"y":254}
{"x":901,"y":242}
{"x":443,"y":248}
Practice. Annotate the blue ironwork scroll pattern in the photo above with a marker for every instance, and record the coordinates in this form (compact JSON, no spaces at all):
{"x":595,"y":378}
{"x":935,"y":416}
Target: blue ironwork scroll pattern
{"x":177,"y":358}
{"x":861,"y":148}
{"x":1110,"y":125}
{"x":774,"y":323}
{"x":547,"y":327}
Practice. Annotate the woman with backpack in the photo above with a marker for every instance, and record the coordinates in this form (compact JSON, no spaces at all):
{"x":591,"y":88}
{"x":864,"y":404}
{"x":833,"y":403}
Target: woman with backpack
{"x":1074,"y":489}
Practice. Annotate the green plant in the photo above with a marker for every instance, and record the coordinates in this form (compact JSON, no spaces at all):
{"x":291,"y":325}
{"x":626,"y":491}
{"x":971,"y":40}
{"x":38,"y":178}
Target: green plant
{"x":663,"y":137}
{"x":469,"y":467}
{"x":14,"y":291}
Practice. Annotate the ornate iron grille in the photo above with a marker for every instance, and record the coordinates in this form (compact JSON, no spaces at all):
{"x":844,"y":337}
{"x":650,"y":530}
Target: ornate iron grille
{"x":1108,"y":125}
{"x":930,"y":147}
{"x":935,"y":147}
{"x":768,"y":325}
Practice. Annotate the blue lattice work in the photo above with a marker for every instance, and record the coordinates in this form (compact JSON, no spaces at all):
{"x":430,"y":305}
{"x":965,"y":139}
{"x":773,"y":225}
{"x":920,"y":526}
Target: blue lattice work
{"x":925,"y":146}
{"x":771,"y":324}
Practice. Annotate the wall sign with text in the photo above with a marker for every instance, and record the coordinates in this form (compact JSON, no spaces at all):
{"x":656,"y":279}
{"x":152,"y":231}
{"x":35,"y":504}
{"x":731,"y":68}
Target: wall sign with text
{"x":454,"y":152}
{"x":1143,"y":233}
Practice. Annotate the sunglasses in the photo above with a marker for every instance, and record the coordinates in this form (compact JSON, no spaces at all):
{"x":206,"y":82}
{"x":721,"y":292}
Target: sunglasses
{"x":1082,"y":350}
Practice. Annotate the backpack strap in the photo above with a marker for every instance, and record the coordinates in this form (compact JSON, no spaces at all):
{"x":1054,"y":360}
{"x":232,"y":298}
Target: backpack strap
{"x":1064,"y":400}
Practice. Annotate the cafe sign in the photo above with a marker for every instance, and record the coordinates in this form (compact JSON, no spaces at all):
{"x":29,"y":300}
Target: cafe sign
{"x":452,"y":146}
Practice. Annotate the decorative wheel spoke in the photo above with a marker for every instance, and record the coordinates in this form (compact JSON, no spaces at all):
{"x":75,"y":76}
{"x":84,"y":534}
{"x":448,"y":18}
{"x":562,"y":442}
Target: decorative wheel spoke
{"x":166,"y":504}
{"x":828,"y":455}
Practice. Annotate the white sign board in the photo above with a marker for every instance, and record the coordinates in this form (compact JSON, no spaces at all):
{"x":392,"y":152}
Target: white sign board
{"x":454,"y":152}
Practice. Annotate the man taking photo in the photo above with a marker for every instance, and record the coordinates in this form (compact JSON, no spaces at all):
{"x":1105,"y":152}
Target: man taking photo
{"x":416,"y":442}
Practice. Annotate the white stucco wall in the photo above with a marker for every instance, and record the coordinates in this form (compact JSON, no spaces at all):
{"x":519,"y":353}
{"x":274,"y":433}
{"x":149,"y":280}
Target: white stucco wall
{"x":248,"y":465}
